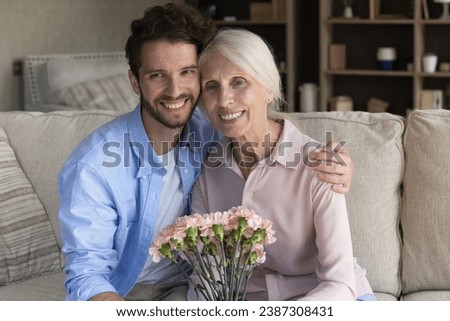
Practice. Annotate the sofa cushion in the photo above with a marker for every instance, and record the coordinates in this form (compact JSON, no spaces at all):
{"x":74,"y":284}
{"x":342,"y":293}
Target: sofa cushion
{"x":49,"y":287}
{"x":427,"y":296}
{"x":110,"y":93}
{"x":425,"y":216}
{"x":28,"y":244}
{"x":42,"y":143}
{"x":375,"y":144}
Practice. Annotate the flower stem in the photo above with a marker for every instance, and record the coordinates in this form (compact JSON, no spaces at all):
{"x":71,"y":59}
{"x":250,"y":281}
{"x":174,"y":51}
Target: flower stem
{"x":224,"y":270}
{"x":206,"y":273}
{"x":234,"y":264}
{"x":221,"y":271}
{"x":204,"y":291}
{"x":248,"y":276}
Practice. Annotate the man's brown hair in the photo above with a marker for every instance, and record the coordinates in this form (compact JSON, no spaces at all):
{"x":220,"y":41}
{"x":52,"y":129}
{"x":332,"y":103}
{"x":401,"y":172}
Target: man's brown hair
{"x":177,"y":23}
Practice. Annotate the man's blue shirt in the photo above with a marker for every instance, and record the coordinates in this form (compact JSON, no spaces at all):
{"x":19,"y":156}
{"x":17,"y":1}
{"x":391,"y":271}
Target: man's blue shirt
{"x":110,"y":190}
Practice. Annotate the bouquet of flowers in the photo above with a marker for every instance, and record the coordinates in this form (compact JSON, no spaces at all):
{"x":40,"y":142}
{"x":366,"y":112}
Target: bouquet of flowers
{"x":222,"y":248}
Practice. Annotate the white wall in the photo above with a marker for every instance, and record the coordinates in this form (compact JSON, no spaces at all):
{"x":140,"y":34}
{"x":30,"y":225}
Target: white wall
{"x":60,"y":26}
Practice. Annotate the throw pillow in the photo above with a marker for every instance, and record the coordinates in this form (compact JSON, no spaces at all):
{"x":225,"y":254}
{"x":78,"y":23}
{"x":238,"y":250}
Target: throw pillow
{"x":63,"y":72}
{"x":425,"y":212}
{"x":109,"y":93}
{"x":28,"y":245}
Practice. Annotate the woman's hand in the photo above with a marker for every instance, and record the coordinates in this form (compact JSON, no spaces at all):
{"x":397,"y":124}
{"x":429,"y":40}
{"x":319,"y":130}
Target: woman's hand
{"x":334,"y":165}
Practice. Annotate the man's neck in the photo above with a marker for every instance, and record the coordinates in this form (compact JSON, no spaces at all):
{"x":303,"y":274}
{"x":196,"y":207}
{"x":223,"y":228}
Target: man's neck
{"x":162,"y":138}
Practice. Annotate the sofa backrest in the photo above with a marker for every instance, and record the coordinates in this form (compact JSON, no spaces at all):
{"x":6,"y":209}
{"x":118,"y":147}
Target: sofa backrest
{"x":43,"y":141}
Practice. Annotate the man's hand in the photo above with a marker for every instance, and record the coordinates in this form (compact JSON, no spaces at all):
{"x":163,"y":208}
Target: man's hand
{"x":106,"y":296}
{"x":335,"y":166}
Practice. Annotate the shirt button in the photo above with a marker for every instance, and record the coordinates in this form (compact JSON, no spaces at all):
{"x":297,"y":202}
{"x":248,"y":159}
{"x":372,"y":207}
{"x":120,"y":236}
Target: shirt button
{"x":186,"y":171}
{"x":154,"y":196}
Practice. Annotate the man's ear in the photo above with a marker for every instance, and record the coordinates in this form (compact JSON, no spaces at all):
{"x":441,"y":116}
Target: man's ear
{"x":134,"y":82}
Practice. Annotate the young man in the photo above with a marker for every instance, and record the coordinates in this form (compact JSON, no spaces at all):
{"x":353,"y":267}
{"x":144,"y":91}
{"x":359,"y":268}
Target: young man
{"x":133,"y":176}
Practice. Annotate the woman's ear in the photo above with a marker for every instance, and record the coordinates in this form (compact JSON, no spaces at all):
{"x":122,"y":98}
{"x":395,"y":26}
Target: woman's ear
{"x":134,"y":82}
{"x":270,"y":97}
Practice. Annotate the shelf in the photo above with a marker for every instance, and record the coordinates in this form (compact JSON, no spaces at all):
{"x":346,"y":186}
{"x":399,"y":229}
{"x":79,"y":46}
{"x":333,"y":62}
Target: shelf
{"x":358,"y":21}
{"x":250,"y":22}
{"x":434,"y":22}
{"x":370,"y":73}
{"x":405,"y":29}
{"x":437,"y":74}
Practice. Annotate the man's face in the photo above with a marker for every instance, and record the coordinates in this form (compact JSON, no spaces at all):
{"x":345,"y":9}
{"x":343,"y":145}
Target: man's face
{"x":168,"y":82}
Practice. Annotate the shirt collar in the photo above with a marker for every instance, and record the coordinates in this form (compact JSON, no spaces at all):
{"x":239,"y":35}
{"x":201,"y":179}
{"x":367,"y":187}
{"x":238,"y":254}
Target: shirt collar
{"x":187,"y":138}
{"x":138,"y":137}
{"x":289,"y":148}
{"x":140,"y":144}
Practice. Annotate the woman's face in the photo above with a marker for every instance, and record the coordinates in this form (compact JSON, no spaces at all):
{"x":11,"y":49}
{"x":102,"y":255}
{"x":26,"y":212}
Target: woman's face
{"x":235,"y":103}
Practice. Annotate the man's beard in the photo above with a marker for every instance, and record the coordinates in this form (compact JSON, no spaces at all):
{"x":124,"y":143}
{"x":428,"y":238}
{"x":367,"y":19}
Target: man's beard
{"x":159,"y":117}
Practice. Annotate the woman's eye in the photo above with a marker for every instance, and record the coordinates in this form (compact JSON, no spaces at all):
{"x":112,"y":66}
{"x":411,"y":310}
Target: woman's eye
{"x":239,"y":82}
{"x":210,"y":86}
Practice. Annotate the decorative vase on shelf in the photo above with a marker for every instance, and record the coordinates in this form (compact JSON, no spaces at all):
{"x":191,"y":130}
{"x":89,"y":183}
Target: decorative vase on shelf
{"x":445,"y":15}
{"x":308,"y":97}
{"x":348,"y":10}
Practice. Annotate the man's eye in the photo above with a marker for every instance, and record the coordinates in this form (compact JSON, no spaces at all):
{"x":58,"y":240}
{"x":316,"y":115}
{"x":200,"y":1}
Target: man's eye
{"x":156,"y":75}
{"x":188,"y":72}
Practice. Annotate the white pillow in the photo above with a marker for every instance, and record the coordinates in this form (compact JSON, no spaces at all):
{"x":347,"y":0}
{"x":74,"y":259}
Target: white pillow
{"x":109,"y":93}
{"x":64,"y":73}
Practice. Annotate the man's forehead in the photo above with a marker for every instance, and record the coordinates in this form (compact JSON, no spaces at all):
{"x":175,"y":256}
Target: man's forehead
{"x":164,"y":54}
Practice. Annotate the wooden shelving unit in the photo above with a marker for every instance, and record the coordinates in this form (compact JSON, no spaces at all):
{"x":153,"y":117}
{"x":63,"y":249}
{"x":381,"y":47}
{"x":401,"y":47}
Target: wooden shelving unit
{"x":412,"y":35}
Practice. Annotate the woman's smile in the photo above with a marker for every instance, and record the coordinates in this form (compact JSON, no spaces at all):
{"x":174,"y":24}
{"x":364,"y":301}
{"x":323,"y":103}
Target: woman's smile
{"x":231,"y":116}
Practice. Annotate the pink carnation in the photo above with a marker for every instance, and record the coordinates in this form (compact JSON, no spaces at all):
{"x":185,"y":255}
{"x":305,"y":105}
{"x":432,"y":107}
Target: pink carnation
{"x":213,"y":242}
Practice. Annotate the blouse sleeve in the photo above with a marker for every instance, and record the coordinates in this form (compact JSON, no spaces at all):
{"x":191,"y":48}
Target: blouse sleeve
{"x":335,"y":269}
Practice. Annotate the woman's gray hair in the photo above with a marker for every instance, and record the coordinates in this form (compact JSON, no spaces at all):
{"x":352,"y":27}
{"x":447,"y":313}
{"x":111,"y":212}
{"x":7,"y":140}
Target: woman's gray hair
{"x":250,"y":53}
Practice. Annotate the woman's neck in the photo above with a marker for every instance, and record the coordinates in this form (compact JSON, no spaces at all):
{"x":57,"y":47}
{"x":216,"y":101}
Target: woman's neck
{"x":251,"y":149}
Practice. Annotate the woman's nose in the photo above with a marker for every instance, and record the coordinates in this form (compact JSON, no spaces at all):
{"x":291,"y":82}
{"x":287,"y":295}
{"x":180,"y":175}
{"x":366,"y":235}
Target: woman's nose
{"x":226,"y":98}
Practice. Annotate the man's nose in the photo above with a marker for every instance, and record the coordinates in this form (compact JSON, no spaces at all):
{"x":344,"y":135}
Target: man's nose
{"x":174,"y":87}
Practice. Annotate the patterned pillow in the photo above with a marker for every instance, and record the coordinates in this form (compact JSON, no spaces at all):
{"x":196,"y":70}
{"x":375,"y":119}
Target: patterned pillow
{"x":110,"y":93}
{"x":28,"y":245}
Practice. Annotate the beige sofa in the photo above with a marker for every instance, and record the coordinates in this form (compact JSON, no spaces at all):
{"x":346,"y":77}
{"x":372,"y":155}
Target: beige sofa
{"x":398,"y":205}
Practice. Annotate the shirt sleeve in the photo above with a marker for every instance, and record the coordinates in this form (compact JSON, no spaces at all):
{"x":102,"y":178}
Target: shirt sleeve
{"x":88,"y":222}
{"x":335,"y":269}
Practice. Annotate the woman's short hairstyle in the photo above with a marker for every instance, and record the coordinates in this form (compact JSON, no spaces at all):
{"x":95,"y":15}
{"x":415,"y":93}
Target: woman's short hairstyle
{"x":250,"y":53}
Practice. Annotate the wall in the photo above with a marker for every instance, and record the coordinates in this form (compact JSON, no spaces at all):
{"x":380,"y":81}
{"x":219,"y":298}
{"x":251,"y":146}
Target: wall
{"x":59,"y":26}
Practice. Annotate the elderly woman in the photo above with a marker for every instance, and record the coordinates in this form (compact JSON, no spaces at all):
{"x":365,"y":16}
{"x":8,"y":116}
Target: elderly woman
{"x":260,"y":166}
